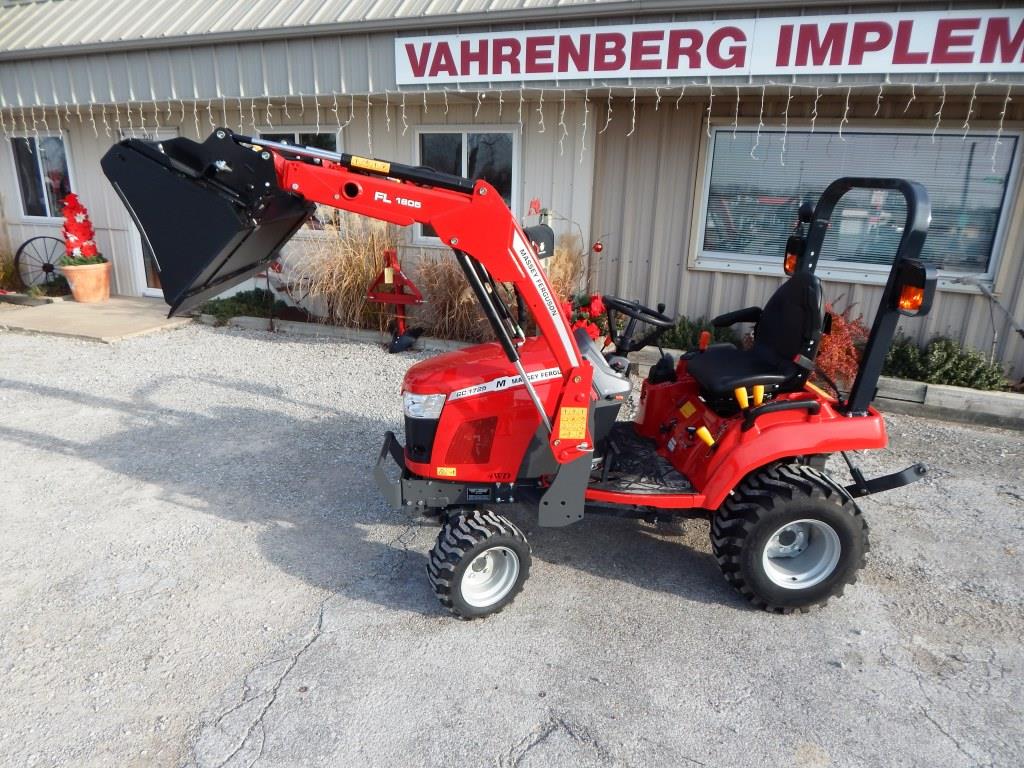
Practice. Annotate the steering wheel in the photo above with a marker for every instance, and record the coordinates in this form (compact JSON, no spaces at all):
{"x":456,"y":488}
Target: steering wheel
{"x":637,"y":313}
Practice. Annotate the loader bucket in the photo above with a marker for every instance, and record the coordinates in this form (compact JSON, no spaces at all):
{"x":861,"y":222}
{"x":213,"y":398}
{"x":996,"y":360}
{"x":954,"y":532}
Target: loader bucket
{"x":211,"y":215}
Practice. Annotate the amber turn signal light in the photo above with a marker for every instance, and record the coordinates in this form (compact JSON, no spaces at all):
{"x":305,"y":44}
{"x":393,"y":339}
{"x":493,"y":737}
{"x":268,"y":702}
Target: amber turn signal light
{"x":704,"y":340}
{"x":789,"y":265}
{"x":911,"y":298}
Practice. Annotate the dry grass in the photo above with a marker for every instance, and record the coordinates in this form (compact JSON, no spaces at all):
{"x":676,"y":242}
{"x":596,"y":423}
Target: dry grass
{"x":339,"y":266}
{"x":568,"y":266}
{"x":9,"y":280}
{"x":451,"y":310}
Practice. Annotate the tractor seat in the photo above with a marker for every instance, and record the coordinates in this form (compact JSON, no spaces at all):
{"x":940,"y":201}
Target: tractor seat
{"x":607,"y":381}
{"x":789,"y":326}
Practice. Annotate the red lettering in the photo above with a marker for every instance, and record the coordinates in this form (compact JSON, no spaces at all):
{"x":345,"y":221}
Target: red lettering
{"x":868,"y":37}
{"x":578,"y":54}
{"x":997,"y":36}
{"x":538,"y":54}
{"x":945,"y":39}
{"x":785,"y":45}
{"x":810,"y":46}
{"x":684,"y":42}
{"x":645,"y":44}
{"x":902,"y":53}
{"x":443,"y":60}
{"x":505,"y":50}
{"x":609,"y":53}
{"x":478,"y":57}
{"x":418,"y":62}
{"x":736,"y":54}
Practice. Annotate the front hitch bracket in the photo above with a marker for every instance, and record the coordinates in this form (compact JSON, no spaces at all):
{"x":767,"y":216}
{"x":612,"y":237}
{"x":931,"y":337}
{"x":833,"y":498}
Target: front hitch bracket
{"x":864,"y":487}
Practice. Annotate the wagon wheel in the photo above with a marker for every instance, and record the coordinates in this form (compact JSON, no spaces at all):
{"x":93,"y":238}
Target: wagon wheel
{"x":37,"y":259}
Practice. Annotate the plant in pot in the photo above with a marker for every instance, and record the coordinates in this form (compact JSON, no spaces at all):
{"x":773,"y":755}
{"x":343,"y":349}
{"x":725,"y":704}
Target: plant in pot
{"x":87,"y":272}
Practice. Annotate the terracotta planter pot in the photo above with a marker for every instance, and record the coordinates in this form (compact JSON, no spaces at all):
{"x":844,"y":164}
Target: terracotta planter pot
{"x":89,"y":283}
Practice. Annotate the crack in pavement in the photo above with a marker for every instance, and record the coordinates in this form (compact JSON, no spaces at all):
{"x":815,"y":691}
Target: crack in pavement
{"x":270,"y":693}
{"x":542,"y":731}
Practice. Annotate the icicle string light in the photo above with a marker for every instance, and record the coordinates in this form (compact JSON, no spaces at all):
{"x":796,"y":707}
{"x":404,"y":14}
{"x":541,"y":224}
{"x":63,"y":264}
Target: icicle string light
{"x":252,"y":114}
{"x":446,"y":101}
{"x":913,"y":96}
{"x":426,"y":109}
{"x":302,"y":105}
{"x":387,"y":110}
{"x":814,"y":111}
{"x":785,"y":126}
{"x":760,"y":125}
{"x":209,"y":114}
{"x":156,"y":120}
{"x":540,"y":112}
{"x":181,"y":104}
{"x":501,"y":102}
{"x":92,"y":119}
{"x":878,"y":100}
{"x":405,"y":121}
{"x":608,"y":113}
{"x":657,"y":98}
{"x":736,"y":114}
{"x":632,"y":124}
{"x":369,"y":131}
{"x":241,"y":115}
{"x":711,"y":101}
{"x":520,"y":110}
{"x":267,"y":118}
{"x":999,"y":131}
{"x":970,"y":111}
{"x":583,"y":128}
{"x":351,"y":111}
{"x":938,"y":114}
{"x":682,"y":92}
{"x":128,"y":115}
{"x":846,"y":112}
{"x":479,"y":103}
{"x":106,"y":125}
{"x":561,"y":124}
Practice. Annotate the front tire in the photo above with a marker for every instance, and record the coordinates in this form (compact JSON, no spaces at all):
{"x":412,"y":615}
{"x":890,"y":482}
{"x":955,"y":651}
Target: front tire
{"x":478,"y":564}
{"x":789,"y":538}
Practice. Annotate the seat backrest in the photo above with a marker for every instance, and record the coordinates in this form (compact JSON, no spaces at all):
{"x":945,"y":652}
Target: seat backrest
{"x":791,"y":321}
{"x":607,"y":382}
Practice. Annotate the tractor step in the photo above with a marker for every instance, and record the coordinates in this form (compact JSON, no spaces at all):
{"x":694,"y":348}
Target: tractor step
{"x":632,"y":464}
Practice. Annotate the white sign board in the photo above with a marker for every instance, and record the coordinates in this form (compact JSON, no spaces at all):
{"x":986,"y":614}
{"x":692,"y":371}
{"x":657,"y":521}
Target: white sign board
{"x":933,"y":41}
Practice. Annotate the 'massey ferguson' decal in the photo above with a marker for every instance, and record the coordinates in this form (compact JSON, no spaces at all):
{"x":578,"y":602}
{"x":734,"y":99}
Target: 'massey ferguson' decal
{"x":504,"y":382}
{"x":526,"y":257}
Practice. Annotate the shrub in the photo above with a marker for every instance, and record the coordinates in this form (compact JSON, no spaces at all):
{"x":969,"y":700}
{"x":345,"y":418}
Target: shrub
{"x":254,"y":303}
{"x":942,"y":361}
{"x":9,"y":280}
{"x":686,"y":334}
{"x":567,"y":267}
{"x":339,"y":266}
{"x":840,"y":350}
{"x":451,"y":310}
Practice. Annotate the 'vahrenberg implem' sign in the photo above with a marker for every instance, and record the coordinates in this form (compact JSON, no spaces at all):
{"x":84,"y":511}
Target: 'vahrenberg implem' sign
{"x":939,"y":41}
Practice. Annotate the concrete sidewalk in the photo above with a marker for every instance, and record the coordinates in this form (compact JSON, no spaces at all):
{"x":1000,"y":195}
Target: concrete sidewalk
{"x":120,"y":318}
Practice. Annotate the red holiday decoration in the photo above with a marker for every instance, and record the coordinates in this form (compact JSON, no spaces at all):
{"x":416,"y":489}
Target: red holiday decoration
{"x":79,"y":235}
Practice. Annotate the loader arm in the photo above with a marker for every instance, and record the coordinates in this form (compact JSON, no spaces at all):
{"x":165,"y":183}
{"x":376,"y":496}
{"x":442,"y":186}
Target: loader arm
{"x":254,"y":181}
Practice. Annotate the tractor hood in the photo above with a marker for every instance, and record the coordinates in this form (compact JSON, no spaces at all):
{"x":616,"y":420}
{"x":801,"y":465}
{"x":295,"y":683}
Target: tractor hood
{"x":479,"y":369}
{"x":211,"y":215}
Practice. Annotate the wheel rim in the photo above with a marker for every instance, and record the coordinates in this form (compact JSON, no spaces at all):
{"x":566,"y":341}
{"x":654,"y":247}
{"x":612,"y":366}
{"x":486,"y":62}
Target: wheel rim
{"x":37,"y":260}
{"x":490,"y":576}
{"x":801,"y":554}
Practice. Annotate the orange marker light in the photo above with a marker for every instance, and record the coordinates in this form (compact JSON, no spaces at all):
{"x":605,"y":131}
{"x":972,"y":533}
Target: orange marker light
{"x":704,"y":340}
{"x":705,"y":436}
{"x":741,"y":397}
{"x":911,"y":298}
{"x":758,"y":394}
{"x":789,"y":265}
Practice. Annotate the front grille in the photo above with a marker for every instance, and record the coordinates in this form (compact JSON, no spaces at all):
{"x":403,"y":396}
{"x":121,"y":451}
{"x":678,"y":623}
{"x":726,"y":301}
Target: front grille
{"x":419,"y":439}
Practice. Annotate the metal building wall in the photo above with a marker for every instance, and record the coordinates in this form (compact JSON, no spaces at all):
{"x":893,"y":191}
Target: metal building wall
{"x":646,"y":198}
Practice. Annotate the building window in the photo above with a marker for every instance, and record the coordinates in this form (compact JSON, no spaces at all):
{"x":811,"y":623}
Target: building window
{"x":487,"y":155}
{"x":756,"y":182}
{"x":43,"y":179}
{"x":324,"y":215}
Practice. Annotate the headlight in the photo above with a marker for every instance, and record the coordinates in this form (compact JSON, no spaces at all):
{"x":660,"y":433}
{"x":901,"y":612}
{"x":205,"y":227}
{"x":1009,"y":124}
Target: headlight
{"x":422,"y":406}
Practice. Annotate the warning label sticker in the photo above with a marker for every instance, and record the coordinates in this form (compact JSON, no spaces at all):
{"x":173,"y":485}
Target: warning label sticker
{"x":573,"y":423}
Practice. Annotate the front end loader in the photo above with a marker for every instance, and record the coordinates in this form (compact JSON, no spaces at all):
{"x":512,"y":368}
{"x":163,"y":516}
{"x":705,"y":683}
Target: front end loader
{"x":740,"y":436}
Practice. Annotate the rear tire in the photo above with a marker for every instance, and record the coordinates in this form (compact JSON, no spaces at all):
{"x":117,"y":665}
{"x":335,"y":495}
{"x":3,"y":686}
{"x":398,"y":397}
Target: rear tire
{"x":789,"y":538}
{"x":478,"y":564}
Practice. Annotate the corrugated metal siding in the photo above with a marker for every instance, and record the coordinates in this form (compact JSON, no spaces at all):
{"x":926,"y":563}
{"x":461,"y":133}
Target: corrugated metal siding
{"x":36,"y":26}
{"x":646,"y":197}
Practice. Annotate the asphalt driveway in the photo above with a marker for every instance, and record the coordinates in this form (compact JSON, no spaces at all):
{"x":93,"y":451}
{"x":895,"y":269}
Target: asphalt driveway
{"x":196,"y":570}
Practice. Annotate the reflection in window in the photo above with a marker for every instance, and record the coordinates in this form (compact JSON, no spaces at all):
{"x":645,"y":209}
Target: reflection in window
{"x":324,"y":215}
{"x":752,"y":203}
{"x":42,"y":170}
{"x":487,"y":156}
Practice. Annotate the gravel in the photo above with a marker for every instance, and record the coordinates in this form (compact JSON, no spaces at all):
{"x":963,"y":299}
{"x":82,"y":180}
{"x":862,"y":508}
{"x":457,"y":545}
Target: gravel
{"x":196,"y":570}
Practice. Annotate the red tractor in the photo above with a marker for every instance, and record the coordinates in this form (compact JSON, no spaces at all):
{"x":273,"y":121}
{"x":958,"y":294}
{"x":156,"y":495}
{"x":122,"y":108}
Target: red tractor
{"x":737,"y":435}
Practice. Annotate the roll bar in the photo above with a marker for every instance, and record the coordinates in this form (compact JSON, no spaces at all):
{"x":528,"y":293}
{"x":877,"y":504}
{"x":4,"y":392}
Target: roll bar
{"x":906,"y":262}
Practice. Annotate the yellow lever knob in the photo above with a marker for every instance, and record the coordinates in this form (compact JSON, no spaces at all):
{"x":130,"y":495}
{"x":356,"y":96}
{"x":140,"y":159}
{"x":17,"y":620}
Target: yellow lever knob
{"x":705,"y":436}
{"x":741,"y":397}
{"x":758,"y":394}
